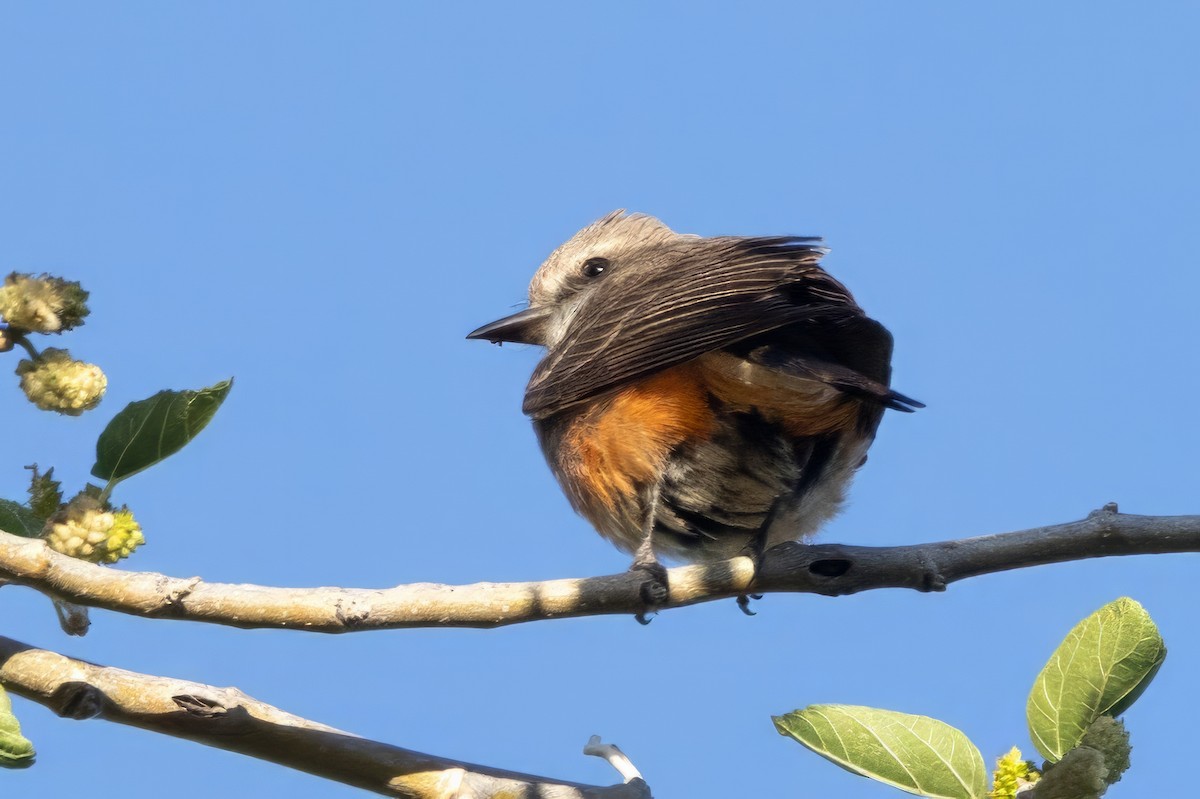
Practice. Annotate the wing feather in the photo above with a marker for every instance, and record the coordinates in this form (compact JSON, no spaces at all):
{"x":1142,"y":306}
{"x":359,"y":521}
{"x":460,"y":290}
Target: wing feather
{"x":705,"y":295}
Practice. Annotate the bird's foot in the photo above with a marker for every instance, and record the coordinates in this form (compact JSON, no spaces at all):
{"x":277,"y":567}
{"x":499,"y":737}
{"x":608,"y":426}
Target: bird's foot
{"x":655,"y":590}
{"x":754,"y":551}
{"x":743,"y":603}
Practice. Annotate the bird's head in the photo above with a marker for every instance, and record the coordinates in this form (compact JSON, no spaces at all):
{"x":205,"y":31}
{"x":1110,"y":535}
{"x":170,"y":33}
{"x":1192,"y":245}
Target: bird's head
{"x":562,"y":285}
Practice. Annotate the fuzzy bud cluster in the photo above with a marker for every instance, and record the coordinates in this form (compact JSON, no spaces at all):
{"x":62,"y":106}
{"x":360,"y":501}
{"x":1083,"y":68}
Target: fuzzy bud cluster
{"x":42,"y":303}
{"x":1109,"y":737}
{"x":1087,"y":770}
{"x":1081,"y":774}
{"x":84,"y":530}
{"x":55,"y":382}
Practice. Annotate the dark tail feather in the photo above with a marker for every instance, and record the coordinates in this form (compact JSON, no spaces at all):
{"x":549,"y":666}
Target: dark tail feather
{"x":837,"y":376}
{"x":899,"y":402}
{"x":876,"y":392}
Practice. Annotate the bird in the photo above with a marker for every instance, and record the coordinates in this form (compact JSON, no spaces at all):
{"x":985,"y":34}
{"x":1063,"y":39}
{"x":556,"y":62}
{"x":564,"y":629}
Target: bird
{"x":699,"y":397}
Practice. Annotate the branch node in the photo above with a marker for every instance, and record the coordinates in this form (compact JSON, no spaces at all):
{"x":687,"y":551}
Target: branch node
{"x":932,"y":579}
{"x":830,"y":567}
{"x":199,"y":706}
{"x":932,"y":582}
{"x":73,"y":618}
{"x":77,"y":700}
{"x":615,"y":757}
{"x":349,"y":614}
{"x":180,"y":592}
{"x":1109,"y":509}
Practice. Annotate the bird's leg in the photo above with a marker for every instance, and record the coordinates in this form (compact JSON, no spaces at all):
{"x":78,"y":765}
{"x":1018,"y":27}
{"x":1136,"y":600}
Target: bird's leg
{"x":655,"y":590}
{"x":754,"y":550}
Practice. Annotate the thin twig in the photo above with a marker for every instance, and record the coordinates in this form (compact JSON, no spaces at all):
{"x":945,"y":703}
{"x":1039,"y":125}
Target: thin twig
{"x":615,"y":757}
{"x":828,"y":569}
{"x":25,"y":343}
{"x":229,"y":719}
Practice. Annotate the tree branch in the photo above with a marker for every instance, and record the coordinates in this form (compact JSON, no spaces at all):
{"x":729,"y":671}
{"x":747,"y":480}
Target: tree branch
{"x":828,"y":569}
{"x":228,"y":719}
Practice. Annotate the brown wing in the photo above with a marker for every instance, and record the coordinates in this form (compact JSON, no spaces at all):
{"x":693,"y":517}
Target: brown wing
{"x":704,"y":296}
{"x":837,"y":346}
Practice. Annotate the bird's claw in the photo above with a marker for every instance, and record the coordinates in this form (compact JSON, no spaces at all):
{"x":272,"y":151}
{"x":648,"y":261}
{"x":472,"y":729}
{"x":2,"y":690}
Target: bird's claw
{"x":743,"y":603}
{"x":654,"y":591}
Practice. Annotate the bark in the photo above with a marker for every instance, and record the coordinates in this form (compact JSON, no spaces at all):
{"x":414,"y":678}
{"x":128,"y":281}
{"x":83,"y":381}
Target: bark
{"x":229,"y":719}
{"x":829,"y":569}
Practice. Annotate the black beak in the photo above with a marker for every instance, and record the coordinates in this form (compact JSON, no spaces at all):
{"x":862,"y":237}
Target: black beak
{"x":524,"y":327}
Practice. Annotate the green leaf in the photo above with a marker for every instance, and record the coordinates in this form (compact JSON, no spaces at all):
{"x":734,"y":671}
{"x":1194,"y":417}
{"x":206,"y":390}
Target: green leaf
{"x":1100,"y":668}
{"x":16,"y":751}
{"x":45,"y":493}
{"x":17,"y":519}
{"x":148,"y":431}
{"x":913,"y":753}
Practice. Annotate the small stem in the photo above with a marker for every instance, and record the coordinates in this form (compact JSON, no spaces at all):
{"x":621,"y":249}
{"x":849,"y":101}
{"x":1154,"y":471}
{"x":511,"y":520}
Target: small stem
{"x":615,"y":757}
{"x":106,"y":492}
{"x":26,"y":344}
{"x":72,"y":618}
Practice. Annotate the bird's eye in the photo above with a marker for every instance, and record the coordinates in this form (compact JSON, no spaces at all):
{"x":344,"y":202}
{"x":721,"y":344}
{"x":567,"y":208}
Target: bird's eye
{"x":594,"y":267}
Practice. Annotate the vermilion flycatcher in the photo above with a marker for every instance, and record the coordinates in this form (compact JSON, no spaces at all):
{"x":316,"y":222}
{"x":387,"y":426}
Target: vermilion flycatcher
{"x":699,"y":397}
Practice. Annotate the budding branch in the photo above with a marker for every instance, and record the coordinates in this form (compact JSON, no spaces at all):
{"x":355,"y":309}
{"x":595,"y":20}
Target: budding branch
{"x":228,"y":719}
{"x":827,"y":569}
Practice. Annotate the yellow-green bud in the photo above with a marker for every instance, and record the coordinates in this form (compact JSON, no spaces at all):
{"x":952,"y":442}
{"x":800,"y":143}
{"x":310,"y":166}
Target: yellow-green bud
{"x":124,"y":537}
{"x":54,"y":382}
{"x":42,"y":304}
{"x":84,"y":530}
{"x":1013,"y":774}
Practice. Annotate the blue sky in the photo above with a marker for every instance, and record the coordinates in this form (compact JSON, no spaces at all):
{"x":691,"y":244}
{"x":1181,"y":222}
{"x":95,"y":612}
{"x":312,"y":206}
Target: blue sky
{"x":323,"y":199}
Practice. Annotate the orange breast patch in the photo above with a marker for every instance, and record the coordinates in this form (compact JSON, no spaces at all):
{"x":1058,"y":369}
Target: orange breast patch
{"x":625,"y":441}
{"x":622,"y":442}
